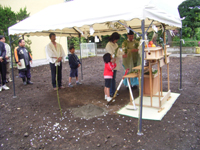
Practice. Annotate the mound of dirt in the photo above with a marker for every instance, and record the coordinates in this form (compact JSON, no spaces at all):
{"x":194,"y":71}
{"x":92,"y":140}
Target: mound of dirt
{"x":88,"y":111}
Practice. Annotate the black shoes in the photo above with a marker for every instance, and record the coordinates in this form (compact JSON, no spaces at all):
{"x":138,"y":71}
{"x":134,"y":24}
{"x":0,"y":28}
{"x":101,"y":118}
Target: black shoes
{"x":29,"y":81}
{"x":134,"y":87}
{"x":111,"y":95}
{"x":26,"y":82}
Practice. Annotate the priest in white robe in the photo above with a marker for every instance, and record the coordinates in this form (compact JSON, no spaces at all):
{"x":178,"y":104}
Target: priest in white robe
{"x":55,"y":55}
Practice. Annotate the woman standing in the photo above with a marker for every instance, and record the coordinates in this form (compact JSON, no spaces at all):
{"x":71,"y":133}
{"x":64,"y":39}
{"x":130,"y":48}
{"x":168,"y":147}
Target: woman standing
{"x":111,"y":48}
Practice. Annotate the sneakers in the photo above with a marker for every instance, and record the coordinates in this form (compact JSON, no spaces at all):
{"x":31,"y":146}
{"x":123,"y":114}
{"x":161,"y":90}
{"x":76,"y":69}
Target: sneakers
{"x":29,"y":82}
{"x":78,"y":83}
{"x":24,"y":81}
{"x":109,"y":99}
{"x":70,"y":85}
{"x":61,"y":87}
{"x":0,"y":88}
{"x":4,"y":87}
{"x":105,"y":97}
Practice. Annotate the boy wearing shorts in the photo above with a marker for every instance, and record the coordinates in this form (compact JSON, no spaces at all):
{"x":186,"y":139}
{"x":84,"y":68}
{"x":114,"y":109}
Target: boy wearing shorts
{"x":74,"y":63}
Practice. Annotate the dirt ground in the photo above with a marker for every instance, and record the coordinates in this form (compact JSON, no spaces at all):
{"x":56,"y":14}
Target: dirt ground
{"x":33,"y":120}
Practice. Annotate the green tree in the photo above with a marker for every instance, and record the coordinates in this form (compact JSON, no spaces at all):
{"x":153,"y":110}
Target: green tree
{"x":22,"y":14}
{"x":9,"y":18}
{"x":74,"y":41}
{"x":190,"y":11}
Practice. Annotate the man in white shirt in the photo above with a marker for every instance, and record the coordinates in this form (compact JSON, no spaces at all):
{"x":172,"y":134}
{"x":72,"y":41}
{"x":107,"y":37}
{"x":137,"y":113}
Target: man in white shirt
{"x":55,"y":55}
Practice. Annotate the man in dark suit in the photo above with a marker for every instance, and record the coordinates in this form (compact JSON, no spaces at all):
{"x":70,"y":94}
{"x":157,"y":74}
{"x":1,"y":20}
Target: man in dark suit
{"x":3,"y":67}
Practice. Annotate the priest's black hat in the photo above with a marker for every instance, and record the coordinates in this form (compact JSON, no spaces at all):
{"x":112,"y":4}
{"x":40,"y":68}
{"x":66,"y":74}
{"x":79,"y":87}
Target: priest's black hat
{"x":130,"y":32}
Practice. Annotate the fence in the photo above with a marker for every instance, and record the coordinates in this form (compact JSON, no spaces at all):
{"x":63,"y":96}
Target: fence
{"x":186,"y":44}
{"x":88,"y":49}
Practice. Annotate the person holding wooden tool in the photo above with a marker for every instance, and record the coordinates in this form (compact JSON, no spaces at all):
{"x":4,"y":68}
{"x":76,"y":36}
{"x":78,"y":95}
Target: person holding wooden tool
{"x":55,"y":55}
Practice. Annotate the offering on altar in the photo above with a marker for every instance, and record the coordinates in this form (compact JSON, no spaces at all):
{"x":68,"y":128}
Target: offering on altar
{"x":154,"y":52}
{"x":151,"y":44}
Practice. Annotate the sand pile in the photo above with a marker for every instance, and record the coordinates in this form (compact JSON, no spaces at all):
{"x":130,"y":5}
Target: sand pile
{"x":88,"y":111}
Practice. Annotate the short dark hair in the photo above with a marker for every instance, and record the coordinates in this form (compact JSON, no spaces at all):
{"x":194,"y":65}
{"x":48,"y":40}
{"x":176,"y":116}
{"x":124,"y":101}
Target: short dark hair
{"x":107,"y":57}
{"x":1,"y":37}
{"x":71,"y":47}
{"x":20,"y":41}
{"x":51,"y":34}
{"x":114,"y":36}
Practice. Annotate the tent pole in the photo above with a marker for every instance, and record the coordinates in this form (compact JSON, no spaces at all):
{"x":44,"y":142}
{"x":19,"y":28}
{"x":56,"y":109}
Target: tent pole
{"x":14,"y":96}
{"x":180,"y":88}
{"x":81,"y":56}
{"x":142,"y":82}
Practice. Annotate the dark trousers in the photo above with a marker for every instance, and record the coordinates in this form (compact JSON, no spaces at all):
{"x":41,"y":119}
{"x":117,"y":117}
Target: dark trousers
{"x":26,"y":73}
{"x":53,"y":75}
{"x":3,"y":72}
{"x":113,"y":83}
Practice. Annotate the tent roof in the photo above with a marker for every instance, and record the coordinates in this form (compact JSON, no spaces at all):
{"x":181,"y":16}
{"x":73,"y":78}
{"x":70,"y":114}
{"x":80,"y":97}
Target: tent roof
{"x":69,"y":17}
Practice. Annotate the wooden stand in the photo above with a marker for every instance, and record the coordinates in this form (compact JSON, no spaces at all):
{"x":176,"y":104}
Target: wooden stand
{"x":131,"y":75}
{"x":153,"y":84}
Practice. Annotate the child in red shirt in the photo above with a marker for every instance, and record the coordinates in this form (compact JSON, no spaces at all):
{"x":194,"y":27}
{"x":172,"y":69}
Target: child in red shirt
{"x":108,"y":74}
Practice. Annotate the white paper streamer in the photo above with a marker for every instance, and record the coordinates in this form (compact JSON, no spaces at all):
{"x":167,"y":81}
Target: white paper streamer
{"x":96,"y":39}
{"x":171,"y":33}
{"x":140,"y":48}
{"x":146,"y":42}
{"x":91,"y":30}
{"x":162,"y":28}
{"x":183,"y":18}
{"x":79,"y":30}
{"x":145,"y":36}
{"x":182,"y":41}
{"x":154,"y":28}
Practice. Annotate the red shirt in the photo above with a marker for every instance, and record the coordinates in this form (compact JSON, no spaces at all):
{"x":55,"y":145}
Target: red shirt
{"x":108,"y":70}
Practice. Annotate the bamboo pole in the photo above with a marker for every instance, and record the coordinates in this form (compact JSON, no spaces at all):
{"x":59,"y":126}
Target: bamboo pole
{"x":168,"y":76}
{"x":161,"y":84}
{"x":158,"y":65}
{"x":150,"y":81}
{"x":165,"y":46}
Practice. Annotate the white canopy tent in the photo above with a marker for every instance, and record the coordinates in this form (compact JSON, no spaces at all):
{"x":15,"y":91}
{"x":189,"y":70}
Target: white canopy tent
{"x":79,"y":16}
